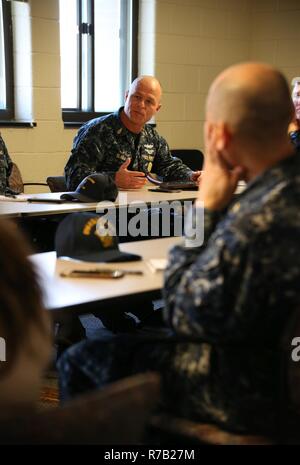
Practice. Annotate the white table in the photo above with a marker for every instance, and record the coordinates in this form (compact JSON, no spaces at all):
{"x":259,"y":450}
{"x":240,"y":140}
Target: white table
{"x":82,"y":295}
{"x":125,"y":197}
{"x":141,"y":196}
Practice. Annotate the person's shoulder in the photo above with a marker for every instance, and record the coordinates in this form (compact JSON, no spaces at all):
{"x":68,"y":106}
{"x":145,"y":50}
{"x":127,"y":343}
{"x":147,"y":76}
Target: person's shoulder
{"x":235,"y":233}
{"x":100,"y":121}
{"x":151,"y":132}
{"x":295,"y":138}
{"x":2,"y":143}
{"x":110,"y":123}
{"x":266,"y":213}
{"x":95,"y":126}
{"x":3,"y":150}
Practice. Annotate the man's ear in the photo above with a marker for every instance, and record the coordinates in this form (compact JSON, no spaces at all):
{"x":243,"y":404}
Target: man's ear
{"x":158,"y":107}
{"x":207,"y":129}
{"x":126,"y":94}
{"x":224,"y":137}
{"x":225,"y":145}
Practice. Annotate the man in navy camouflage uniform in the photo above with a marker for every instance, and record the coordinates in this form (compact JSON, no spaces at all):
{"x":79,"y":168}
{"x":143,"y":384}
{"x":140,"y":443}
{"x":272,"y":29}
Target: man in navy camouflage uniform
{"x":125,"y":147}
{"x":227,"y":301}
{"x":122,"y":145}
{"x":5,"y":168}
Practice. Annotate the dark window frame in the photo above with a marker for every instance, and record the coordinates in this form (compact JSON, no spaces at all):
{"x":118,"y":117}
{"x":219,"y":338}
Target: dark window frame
{"x":74,"y":117}
{"x":8,"y":113}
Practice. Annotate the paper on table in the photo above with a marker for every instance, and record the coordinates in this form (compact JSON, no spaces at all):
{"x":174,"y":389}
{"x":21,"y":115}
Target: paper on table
{"x":16,"y":198}
{"x":157,"y":264}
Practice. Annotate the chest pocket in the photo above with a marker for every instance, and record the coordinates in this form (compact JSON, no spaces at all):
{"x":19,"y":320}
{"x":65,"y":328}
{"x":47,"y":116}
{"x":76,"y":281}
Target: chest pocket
{"x":146,"y":160}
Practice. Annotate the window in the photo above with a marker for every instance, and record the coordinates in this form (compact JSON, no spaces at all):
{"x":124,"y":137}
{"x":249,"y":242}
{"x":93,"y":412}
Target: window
{"x":98,"y":55}
{"x":6,"y":62}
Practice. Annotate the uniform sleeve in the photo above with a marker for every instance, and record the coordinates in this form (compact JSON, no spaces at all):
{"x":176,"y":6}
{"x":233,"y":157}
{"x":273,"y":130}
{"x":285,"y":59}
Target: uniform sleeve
{"x":168,"y":167}
{"x":5,"y":166}
{"x":295,"y":139}
{"x":86,"y":158}
{"x":200,"y":283}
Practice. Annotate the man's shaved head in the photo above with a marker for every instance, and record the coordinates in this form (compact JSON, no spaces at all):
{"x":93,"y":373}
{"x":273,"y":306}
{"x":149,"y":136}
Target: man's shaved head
{"x":149,"y":82}
{"x":254,"y":100}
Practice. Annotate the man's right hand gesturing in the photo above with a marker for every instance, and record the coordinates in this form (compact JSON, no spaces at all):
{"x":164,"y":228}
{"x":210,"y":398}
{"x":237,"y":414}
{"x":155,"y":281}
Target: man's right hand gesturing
{"x":126,"y":179}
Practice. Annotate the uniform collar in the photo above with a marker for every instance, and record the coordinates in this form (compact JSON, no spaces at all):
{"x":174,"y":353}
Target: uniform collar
{"x":124,"y":129}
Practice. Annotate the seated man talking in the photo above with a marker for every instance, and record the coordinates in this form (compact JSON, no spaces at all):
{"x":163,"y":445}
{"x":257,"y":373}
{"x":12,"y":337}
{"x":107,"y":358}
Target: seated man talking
{"x":124,"y":146}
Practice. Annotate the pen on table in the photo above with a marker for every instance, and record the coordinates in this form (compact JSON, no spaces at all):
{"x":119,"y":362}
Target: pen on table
{"x":137,"y":272}
{"x":43,"y":200}
{"x":106,"y":270}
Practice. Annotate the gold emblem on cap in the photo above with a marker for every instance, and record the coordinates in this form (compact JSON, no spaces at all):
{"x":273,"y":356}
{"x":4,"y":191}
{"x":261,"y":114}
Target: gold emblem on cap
{"x":106,"y":241}
{"x":88,"y":226}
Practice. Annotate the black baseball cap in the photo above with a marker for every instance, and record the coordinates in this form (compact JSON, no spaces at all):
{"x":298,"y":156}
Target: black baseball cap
{"x":89,"y":237}
{"x":94,"y":188}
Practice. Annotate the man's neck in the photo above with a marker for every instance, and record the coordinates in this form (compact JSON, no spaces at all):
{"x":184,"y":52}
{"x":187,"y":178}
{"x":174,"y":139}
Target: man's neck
{"x":136,"y":129}
{"x":262,"y":164}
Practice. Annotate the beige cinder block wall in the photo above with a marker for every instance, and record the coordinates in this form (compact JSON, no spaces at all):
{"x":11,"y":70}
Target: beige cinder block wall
{"x":275,"y":34}
{"x":195,"y":39}
{"x":189,"y":42}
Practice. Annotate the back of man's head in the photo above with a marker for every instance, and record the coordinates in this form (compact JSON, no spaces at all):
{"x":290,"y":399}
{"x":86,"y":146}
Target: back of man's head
{"x":254,"y":100}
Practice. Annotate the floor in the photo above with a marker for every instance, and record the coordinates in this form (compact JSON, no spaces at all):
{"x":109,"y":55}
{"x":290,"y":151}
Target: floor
{"x":50,"y":392}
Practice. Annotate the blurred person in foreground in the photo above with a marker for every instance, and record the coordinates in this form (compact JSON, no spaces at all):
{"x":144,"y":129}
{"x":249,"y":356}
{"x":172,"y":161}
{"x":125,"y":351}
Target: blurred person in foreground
{"x":228,"y":299}
{"x":24,"y":328}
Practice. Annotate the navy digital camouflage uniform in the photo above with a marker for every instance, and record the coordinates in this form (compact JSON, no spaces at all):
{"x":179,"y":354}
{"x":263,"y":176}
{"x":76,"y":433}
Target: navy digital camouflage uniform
{"x":295,"y":138}
{"x":5,"y":167}
{"x":103,"y":144}
{"x":226,"y":305}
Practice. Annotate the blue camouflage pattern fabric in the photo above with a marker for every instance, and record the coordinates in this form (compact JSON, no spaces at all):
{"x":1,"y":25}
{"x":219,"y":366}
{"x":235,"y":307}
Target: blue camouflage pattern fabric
{"x":236,"y":293}
{"x":227,"y":303}
{"x":104,"y":143}
{"x":295,"y":139}
{"x":5,"y":167}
